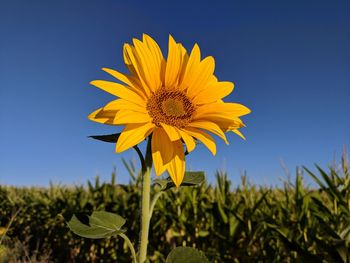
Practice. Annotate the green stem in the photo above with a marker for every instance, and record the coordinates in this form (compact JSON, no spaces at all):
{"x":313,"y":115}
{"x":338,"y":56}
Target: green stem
{"x":131,"y":247}
{"x":154,"y":201}
{"x":145,"y":203}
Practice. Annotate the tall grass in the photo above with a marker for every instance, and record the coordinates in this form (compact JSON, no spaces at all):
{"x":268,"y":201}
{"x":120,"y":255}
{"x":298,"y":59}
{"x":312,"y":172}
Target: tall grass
{"x":248,"y":223}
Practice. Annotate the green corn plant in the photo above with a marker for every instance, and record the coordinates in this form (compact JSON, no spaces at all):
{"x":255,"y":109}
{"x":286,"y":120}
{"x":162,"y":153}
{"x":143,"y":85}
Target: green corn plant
{"x":332,"y":210}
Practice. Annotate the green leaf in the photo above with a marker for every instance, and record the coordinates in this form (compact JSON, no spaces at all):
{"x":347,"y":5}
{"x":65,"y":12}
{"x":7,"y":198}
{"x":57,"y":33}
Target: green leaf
{"x":3,"y":231}
{"x":222,"y":212}
{"x":186,"y":255}
{"x":345,"y":234}
{"x":100,"y":224}
{"x":163,"y":183}
{"x":233,"y":224}
{"x":113,"y":138}
{"x":203,"y":233}
{"x":190,"y":179}
{"x":193,"y":178}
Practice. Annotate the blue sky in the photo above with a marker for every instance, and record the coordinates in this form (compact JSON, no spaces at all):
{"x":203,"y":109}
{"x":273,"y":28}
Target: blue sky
{"x":289,"y":60}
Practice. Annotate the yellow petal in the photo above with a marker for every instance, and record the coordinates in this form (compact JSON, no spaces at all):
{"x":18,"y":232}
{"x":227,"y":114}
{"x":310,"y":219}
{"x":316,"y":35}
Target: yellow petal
{"x":129,"y":60}
{"x":148,"y":64}
{"x":239,"y":134}
{"x":162,"y":71}
{"x":209,"y":126}
{"x":171,"y":131}
{"x":191,"y":67}
{"x":129,"y":116}
{"x":200,"y":77}
{"x":184,"y":61}
{"x":204,"y":137}
{"x":121,"y":104}
{"x":162,"y":150}
{"x":119,"y":90}
{"x":236,"y":109}
{"x":214,"y":92}
{"x":177,"y":165}
{"x":225,"y":110}
{"x":173,"y":64}
{"x":133,"y":83}
{"x":219,"y":118}
{"x":103,"y":116}
{"x":133,"y":134}
{"x":122,"y":77}
{"x":230,"y":125}
{"x":157,"y":55}
{"x":189,"y":141}
{"x":135,"y":67}
{"x":154,"y":49}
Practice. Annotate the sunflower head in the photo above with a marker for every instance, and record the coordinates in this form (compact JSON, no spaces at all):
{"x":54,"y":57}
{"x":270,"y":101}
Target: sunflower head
{"x":175,"y":100}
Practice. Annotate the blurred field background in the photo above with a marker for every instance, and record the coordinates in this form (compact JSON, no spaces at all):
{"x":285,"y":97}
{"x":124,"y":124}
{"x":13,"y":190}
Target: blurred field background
{"x":247,"y":223}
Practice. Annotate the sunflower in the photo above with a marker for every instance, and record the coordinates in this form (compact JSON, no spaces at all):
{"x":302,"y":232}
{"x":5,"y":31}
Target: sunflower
{"x":177,"y":101}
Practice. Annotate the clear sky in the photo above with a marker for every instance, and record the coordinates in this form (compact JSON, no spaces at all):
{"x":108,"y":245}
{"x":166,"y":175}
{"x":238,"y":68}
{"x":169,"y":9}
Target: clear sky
{"x":289,"y":60}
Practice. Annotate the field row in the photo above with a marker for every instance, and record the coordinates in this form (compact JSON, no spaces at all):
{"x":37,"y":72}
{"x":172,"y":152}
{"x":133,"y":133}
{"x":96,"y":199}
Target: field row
{"x":243,"y":224}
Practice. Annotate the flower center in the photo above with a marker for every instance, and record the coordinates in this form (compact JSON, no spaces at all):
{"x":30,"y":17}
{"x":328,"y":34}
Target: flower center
{"x":171,"y":107}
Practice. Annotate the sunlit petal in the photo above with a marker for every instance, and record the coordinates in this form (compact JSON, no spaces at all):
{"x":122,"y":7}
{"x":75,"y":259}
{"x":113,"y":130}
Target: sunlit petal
{"x":133,"y":134}
{"x":162,"y":150}
{"x":177,"y":165}
{"x":204,"y":137}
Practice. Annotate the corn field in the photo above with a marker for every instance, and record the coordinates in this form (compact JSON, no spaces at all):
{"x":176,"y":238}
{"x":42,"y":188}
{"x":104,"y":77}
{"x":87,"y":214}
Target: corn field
{"x":247,"y":223}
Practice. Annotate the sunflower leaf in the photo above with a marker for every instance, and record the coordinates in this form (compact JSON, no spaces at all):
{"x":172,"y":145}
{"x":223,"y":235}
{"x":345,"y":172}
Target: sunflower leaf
{"x":190,"y":179}
{"x":193,"y":178}
{"x":113,"y":138}
{"x":100,"y":224}
{"x":186,"y":255}
{"x":163,"y":183}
